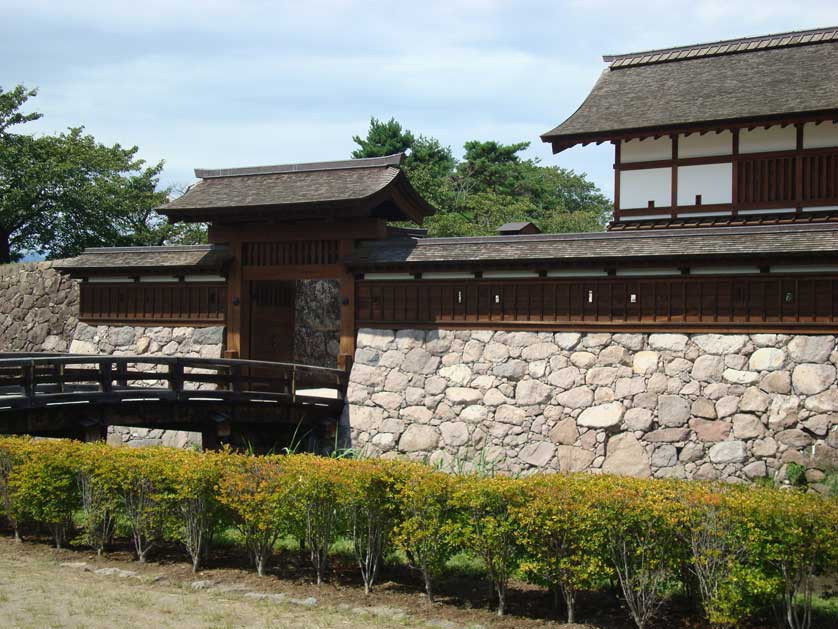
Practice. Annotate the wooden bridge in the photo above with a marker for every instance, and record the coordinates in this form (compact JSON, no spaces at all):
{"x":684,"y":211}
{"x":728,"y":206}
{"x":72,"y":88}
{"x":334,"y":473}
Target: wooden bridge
{"x":71,"y":395}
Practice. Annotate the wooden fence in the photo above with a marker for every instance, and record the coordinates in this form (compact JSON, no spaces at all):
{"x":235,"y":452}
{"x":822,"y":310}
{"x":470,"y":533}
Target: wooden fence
{"x":760,"y":301}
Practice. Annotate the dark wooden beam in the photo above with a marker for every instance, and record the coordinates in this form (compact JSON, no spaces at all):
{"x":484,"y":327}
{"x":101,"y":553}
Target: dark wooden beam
{"x":347,"y":312}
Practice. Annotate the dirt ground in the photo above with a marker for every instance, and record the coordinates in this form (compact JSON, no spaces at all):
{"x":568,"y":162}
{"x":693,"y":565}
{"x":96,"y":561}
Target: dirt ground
{"x":44,"y":587}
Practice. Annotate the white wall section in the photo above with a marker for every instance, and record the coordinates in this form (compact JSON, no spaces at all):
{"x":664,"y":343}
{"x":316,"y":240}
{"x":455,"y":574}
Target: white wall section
{"x":774,"y":138}
{"x":638,"y":187}
{"x":714,"y":182}
{"x":645,"y":150}
{"x":707,"y":145}
{"x":820,"y":136}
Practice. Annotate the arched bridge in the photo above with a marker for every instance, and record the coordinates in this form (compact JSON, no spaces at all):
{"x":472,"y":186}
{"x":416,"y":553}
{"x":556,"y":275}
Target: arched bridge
{"x":73,"y":395}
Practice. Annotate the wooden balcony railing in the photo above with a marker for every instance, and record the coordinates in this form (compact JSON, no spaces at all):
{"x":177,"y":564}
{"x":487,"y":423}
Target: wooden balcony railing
{"x":786,"y":180}
{"x":819,"y":177}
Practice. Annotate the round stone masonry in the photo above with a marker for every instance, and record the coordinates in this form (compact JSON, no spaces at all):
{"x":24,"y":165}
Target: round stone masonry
{"x":712,"y":406}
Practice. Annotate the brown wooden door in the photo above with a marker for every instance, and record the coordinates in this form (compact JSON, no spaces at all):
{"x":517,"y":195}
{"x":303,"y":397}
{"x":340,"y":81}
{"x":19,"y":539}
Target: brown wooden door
{"x":272,"y":320}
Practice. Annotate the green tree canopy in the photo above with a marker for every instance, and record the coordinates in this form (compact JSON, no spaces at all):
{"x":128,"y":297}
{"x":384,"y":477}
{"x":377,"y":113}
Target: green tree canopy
{"x":493,"y":184}
{"x":62,"y":193}
{"x":383,"y":138}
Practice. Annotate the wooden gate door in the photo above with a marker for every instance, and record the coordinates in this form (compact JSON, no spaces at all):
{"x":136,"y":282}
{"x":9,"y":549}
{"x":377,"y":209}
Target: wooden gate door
{"x":272,"y":320}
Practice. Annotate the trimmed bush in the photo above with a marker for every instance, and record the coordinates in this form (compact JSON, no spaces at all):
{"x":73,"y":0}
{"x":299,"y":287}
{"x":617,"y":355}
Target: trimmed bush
{"x":740,"y":551}
{"x":639,"y":539}
{"x":12,"y":453}
{"x":486,"y":526}
{"x":372,"y":509}
{"x":317,"y":489}
{"x":98,"y":494}
{"x":789,"y":540}
{"x":562,"y":536}
{"x":44,"y":486}
{"x":426,"y":530}
{"x":196,"y":510}
{"x":257,"y":491}
{"x":142,"y":479}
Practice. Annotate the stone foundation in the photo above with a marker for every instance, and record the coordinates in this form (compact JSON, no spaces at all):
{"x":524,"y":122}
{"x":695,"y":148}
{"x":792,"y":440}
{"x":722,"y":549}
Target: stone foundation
{"x":732,"y":407}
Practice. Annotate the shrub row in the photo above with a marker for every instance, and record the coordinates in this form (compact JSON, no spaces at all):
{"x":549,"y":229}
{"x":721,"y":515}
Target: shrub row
{"x":736,"y":550}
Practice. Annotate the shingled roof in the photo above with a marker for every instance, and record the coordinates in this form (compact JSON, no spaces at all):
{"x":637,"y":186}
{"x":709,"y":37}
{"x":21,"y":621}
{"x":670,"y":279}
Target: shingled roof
{"x":121,"y":260}
{"x":704,"y":243}
{"x":374,"y":186}
{"x":750,"y":79}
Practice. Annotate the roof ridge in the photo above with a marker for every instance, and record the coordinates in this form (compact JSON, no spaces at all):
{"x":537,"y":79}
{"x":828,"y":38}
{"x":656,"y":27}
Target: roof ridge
{"x":724,"y":47}
{"x":153,"y":248}
{"x":346,"y":164}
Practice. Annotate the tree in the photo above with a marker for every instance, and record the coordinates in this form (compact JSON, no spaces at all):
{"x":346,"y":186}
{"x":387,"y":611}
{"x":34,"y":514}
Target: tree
{"x":62,"y":193}
{"x":493,"y":184}
{"x":383,"y":138}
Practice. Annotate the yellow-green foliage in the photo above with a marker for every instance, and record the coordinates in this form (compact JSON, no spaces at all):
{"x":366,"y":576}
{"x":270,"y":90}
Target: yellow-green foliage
{"x":258,"y":493}
{"x":372,"y":510}
{"x":562,"y":535}
{"x":12,"y":453}
{"x":44,"y":486}
{"x":740,"y":549}
{"x":197,"y":514}
{"x":426,"y":530}
{"x":487,"y":527}
{"x":316,"y":489}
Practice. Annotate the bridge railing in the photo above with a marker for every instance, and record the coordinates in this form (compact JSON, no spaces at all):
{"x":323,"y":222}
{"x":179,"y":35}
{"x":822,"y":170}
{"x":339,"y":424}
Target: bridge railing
{"x":50,"y":379}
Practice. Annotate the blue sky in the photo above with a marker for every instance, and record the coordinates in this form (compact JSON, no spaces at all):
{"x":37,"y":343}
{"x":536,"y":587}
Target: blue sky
{"x":222,"y":84}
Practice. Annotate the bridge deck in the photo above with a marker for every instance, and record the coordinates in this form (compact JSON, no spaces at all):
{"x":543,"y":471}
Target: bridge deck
{"x":54,"y":385}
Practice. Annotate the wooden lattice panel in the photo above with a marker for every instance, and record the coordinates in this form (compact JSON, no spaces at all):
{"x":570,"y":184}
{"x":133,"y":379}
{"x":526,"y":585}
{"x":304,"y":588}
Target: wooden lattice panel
{"x":290,"y":253}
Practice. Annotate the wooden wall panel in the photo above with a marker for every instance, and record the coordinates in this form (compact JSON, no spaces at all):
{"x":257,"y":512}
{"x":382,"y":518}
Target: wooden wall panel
{"x":290,"y":253}
{"x":143,"y":303}
{"x":759,"y":302}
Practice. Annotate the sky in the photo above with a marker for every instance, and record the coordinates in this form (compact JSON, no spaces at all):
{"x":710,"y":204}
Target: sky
{"x":225,"y":83}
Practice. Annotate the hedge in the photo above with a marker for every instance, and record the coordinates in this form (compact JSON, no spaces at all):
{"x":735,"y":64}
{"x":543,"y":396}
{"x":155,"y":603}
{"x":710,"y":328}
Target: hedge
{"x":736,"y":550}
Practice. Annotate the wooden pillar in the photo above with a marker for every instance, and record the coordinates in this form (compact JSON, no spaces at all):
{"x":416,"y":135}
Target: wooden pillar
{"x":735,"y":168}
{"x":235,"y":299}
{"x":617,"y":144}
{"x":95,"y":433}
{"x":673,"y":203}
{"x":347,"y":311}
{"x":798,"y":165}
{"x":209,"y":438}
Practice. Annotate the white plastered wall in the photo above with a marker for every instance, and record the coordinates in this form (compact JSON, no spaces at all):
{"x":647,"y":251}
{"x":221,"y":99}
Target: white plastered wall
{"x":707,"y":145}
{"x":711,"y":181}
{"x":774,"y":138}
{"x":645,"y":150}
{"x":822,"y":135}
{"x":638,"y":187}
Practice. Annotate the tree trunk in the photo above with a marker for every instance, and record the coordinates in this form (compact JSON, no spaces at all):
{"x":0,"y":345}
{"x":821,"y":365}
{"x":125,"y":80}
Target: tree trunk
{"x":5,"y":248}
{"x":569,"y":601}
{"x":428,"y":586}
{"x":501,"y":591}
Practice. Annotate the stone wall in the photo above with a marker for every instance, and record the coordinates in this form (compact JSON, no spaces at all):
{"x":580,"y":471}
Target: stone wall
{"x":317,"y":322}
{"x":130,"y":340}
{"x":38,"y":308}
{"x":732,"y":407}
